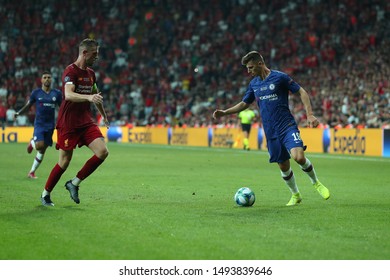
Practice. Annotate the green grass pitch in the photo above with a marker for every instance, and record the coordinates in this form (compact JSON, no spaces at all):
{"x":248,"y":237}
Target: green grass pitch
{"x":151,"y":202}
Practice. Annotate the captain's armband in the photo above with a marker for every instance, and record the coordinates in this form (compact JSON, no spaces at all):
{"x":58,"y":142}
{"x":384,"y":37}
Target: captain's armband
{"x":94,"y":88}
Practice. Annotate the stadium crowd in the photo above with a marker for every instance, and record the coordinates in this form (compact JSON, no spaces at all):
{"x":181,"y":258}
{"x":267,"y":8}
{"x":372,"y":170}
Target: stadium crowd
{"x":172,"y":62}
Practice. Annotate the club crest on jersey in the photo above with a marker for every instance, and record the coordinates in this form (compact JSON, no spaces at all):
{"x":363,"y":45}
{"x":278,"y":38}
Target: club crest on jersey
{"x":66,"y":79}
{"x":54,"y":99}
{"x":271,"y":86}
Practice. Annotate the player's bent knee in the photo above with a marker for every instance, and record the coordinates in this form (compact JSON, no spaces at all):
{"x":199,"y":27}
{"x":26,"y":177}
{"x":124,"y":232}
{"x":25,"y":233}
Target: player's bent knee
{"x":103,"y":154}
{"x":300,"y":159}
{"x":64,"y":164}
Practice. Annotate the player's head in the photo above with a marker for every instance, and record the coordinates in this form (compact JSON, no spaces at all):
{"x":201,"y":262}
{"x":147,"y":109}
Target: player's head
{"x":253,"y":62}
{"x":46,"y":79}
{"x":89,"y":50}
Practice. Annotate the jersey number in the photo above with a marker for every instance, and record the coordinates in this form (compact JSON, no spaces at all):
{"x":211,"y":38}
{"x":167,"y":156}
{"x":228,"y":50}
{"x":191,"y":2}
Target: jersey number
{"x":296,"y":136}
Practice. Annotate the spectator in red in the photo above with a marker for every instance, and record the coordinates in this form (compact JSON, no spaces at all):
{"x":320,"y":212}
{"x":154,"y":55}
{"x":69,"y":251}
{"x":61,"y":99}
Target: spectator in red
{"x":3,"y":110}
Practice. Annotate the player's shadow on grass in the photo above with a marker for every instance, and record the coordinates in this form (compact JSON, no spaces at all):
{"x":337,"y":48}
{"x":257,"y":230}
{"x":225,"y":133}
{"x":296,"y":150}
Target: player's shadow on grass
{"x":39,"y":211}
{"x":42,"y":208}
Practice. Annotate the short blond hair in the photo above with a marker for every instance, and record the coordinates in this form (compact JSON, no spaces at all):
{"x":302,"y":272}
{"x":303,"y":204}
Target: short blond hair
{"x":88,"y":44}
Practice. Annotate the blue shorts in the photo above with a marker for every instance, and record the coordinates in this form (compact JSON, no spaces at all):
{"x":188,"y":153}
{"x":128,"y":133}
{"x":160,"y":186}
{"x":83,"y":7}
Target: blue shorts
{"x":44,"y":134}
{"x":279,"y":147}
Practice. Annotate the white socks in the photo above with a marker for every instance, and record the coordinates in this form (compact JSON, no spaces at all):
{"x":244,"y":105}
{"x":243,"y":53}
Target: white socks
{"x":309,"y":170}
{"x":45,"y":193}
{"x":76,"y":181}
{"x":289,"y":178}
{"x":33,"y":144}
{"x":37,"y":161}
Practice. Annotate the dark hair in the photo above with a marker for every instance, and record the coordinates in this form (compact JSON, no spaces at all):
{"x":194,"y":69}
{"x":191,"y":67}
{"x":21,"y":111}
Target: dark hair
{"x":46,"y":72}
{"x":88,"y":44}
{"x":253,"y":55}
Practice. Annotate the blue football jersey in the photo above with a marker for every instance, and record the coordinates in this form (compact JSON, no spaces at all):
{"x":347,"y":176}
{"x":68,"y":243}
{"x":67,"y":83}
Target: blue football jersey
{"x":45,"y":104}
{"x":271,"y":96}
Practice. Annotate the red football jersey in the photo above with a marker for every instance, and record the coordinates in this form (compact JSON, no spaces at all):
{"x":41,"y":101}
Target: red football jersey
{"x":76,"y":114}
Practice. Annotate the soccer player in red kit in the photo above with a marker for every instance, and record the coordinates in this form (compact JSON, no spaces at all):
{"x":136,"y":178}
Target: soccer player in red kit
{"x":75,"y":124}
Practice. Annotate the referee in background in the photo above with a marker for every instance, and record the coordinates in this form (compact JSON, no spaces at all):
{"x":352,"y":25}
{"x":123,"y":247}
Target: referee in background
{"x":246,"y":119}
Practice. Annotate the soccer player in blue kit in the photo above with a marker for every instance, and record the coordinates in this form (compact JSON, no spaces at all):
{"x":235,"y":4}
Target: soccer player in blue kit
{"x":46,"y":100}
{"x":270,"y":89}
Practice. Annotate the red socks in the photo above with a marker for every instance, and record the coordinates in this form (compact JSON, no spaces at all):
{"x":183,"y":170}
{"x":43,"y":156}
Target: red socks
{"x":89,"y":167}
{"x":54,"y":177}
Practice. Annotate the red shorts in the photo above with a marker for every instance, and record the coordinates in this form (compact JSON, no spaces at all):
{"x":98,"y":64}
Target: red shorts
{"x":68,"y":139}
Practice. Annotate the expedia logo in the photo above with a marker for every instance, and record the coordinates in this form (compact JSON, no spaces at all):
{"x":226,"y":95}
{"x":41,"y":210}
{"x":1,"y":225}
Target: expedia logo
{"x":352,"y":144}
{"x":11,"y":137}
{"x":139,"y":137}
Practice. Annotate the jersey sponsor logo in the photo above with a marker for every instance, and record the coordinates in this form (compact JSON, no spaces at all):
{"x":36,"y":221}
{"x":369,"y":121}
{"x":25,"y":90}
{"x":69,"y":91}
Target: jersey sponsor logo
{"x":49,"y":105}
{"x":84,"y":89}
{"x":269,"y":97}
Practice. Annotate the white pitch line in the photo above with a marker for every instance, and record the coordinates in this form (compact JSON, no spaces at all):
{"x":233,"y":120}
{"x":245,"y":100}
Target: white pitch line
{"x":255,"y":152}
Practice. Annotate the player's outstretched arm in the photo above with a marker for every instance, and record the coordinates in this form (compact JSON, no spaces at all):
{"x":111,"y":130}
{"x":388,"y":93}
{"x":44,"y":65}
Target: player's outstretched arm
{"x":24,"y":108}
{"x":232,"y":110}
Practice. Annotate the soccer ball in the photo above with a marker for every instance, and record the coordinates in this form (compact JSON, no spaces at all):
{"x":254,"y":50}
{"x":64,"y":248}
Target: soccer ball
{"x":244,"y":197}
{"x":114,"y":134}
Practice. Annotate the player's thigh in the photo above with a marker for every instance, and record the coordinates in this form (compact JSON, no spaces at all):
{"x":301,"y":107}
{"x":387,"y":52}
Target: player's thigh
{"x":93,"y":138}
{"x":292,"y":139}
{"x":99,"y":148}
{"x":67,"y":139}
{"x":294,"y":144}
{"x":39,"y":134}
{"x":298,"y":155}
{"x":65,"y":156}
{"x":48,"y":137}
{"x":277,"y":151}
{"x":89,"y":134}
